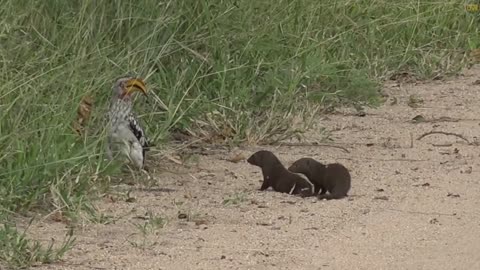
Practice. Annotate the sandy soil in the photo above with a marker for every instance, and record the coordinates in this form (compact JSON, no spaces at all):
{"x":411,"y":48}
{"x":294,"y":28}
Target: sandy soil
{"x":414,"y":204}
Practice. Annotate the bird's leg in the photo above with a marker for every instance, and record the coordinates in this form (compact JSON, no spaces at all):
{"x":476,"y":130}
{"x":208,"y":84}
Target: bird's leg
{"x":133,"y":180}
{"x":109,"y":150}
{"x":146,"y":168}
{"x":126,"y":169}
{"x":109,"y":154}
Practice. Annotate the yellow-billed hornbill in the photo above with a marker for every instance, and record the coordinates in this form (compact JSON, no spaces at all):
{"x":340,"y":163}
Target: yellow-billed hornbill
{"x":125,"y":135}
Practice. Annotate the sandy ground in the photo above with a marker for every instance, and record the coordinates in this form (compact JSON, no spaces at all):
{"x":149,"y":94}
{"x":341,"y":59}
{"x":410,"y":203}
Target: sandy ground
{"x":414,"y":204}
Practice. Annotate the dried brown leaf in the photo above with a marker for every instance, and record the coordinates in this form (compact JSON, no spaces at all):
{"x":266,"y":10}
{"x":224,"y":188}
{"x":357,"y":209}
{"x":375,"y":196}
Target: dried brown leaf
{"x":83,"y":115}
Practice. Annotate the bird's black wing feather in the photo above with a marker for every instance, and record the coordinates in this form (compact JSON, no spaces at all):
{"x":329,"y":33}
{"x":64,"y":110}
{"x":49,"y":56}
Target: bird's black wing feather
{"x":139,"y":133}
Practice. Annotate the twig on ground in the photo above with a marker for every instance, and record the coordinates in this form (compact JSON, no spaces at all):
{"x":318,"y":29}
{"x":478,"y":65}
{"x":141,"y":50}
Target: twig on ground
{"x":442,"y":144}
{"x":419,"y":212}
{"x":444,"y":133}
{"x":385,"y":160}
{"x":312,"y":144}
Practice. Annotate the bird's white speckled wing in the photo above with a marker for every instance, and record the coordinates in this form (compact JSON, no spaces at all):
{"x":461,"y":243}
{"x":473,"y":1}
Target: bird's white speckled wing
{"x":137,"y":130}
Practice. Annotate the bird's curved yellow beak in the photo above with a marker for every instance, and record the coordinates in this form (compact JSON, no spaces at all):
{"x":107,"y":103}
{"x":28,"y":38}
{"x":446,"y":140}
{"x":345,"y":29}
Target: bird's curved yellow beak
{"x":136,"y":84}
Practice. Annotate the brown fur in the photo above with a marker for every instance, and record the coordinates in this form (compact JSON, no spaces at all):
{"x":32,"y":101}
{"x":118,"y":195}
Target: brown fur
{"x":275,"y":175}
{"x":333,"y":178}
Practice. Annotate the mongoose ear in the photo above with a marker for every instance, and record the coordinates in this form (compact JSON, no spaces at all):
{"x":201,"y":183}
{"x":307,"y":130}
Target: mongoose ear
{"x":251,"y":159}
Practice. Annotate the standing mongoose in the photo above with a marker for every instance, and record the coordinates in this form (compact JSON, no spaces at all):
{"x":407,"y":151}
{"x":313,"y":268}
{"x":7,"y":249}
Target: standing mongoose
{"x":333,"y":177}
{"x":275,"y":175}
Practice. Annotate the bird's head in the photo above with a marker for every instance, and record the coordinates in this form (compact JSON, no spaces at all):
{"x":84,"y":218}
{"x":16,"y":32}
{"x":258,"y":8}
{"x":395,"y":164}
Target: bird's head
{"x":124,"y":87}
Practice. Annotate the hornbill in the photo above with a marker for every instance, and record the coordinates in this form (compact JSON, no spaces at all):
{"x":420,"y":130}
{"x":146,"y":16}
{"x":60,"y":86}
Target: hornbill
{"x":125,"y":135}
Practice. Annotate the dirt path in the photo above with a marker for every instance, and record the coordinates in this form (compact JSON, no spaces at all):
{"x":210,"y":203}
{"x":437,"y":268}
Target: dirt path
{"x":410,"y":207}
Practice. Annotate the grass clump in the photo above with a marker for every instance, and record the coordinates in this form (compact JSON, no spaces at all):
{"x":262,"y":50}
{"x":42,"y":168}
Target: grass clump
{"x":235,"y":199}
{"x":228,"y":71}
{"x":152,"y":225}
{"x":17,"y":251}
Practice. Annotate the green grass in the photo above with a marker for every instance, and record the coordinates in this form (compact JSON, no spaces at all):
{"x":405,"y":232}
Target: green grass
{"x":17,"y":251}
{"x":152,"y":225}
{"x":234,"y":70}
{"x":235,"y":198}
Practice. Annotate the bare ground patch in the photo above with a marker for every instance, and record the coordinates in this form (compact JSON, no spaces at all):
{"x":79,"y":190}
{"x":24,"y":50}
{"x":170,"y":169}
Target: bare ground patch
{"x":413,"y":203}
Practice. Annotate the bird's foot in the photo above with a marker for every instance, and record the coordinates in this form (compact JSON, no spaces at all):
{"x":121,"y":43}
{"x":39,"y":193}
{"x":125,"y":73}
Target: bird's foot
{"x":146,"y":172}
